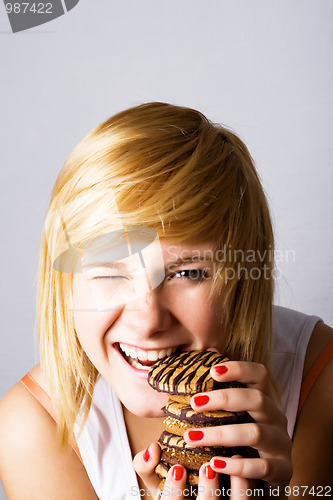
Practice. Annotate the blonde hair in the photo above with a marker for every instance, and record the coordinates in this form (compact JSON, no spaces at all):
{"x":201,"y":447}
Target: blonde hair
{"x":169,"y":168}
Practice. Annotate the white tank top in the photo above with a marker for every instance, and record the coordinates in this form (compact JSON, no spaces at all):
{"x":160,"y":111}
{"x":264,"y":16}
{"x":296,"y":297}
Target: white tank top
{"x":104,"y":445}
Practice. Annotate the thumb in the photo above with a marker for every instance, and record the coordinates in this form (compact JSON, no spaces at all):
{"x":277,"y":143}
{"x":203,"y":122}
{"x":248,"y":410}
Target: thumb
{"x":144,"y":464}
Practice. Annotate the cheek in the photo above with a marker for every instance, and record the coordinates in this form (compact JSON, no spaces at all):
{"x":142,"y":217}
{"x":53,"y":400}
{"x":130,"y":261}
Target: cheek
{"x":202,"y":318}
{"x":195,"y":308}
{"x":94,"y":325}
{"x":90,"y":324}
{"x":89,"y":330}
{"x":92,"y":329}
{"x":82,"y":295}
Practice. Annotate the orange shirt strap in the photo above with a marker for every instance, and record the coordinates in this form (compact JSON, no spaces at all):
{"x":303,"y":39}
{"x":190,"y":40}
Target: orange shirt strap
{"x":44,"y":399}
{"x":314,"y":373}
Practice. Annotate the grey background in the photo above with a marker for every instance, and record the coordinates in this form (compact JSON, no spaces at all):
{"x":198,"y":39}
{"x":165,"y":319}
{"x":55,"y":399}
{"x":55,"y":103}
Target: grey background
{"x":262,"y":68}
{"x":22,"y":16}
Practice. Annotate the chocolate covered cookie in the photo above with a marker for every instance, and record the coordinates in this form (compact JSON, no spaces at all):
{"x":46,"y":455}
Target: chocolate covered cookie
{"x":186,"y":413}
{"x":178,"y":427}
{"x":175,"y":450}
{"x":183,"y":375}
{"x":163,"y":468}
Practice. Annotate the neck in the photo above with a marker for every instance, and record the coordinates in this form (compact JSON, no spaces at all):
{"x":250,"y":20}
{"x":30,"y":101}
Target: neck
{"x":141,"y":431}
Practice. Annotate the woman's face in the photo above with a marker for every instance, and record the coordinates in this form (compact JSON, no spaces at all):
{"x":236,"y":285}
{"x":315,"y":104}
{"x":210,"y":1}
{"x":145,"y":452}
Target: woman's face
{"x":124,"y":327}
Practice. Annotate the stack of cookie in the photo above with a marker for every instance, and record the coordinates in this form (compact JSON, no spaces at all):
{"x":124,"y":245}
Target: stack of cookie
{"x":182,"y":375}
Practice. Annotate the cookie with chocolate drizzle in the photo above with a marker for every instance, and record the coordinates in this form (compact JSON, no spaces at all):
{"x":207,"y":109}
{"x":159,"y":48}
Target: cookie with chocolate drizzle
{"x":182,"y":375}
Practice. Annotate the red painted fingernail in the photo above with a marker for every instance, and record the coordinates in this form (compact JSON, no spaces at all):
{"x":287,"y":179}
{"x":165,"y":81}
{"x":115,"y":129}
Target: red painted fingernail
{"x":195,"y":435}
{"x":219,"y":464}
{"x":177,"y":472}
{"x":220,"y":369}
{"x":209,"y":472}
{"x":201,"y":400}
{"x":146,"y":455}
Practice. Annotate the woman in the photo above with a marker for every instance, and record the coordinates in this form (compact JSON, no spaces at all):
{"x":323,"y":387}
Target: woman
{"x":159,"y":238}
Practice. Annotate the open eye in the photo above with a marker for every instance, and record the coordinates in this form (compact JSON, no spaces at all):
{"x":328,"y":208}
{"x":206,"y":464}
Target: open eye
{"x":190,"y":274}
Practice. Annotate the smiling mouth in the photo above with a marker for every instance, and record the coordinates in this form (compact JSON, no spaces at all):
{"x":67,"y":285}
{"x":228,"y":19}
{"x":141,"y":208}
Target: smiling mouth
{"x":143,"y":359}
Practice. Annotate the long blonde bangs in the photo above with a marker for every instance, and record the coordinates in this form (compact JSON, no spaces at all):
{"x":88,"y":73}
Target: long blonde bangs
{"x":169,"y":168}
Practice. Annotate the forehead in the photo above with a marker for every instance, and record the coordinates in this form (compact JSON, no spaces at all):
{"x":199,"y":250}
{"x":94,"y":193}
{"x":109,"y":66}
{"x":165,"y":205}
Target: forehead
{"x":162,"y":253}
{"x":191,"y":250}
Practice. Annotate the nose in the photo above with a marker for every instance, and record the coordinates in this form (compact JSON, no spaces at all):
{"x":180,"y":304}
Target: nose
{"x":148,"y":314}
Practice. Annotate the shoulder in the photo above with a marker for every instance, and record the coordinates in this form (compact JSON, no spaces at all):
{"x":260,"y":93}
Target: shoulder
{"x":321,"y":337}
{"x":291,"y":330}
{"x":31,"y":462}
{"x":313,"y":435}
{"x":18,"y":414}
{"x":294,"y":330}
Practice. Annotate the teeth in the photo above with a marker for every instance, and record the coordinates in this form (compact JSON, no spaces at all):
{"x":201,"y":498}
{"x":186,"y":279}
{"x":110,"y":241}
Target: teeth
{"x":162,"y":353}
{"x":152,"y":355}
{"x":141,"y":355}
{"x":137,"y":365}
{"x":132,"y":353}
{"x":125,"y":349}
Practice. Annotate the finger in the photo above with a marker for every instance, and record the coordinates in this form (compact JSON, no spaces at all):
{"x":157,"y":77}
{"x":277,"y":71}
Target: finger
{"x":260,"y":407}
{"x":208,"y":483}
{"x":262,"y":437}
{"x":144,"y":464}
{"x":239,"y":486}
{"x":268,"y":469}
{"x":174,"y":484}
{"x":251,"y":374}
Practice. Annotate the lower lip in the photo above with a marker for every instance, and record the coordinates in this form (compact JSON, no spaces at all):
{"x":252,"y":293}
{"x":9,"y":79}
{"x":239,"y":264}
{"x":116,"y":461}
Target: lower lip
{"x":138,"y":373}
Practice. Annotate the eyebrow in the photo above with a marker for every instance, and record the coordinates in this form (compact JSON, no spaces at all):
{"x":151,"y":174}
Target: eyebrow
{"x":178,"y":262}
{"x":193,"y":258}
{"x":112,"y":265}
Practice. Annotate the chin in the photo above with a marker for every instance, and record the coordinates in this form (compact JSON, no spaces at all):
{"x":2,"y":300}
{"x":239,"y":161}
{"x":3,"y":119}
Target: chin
{"x":146,"y":406}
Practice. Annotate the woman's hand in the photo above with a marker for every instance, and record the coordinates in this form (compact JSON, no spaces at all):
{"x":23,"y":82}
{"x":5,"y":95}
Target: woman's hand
{"x":145,"y":463}
{"x":267,"y":434}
